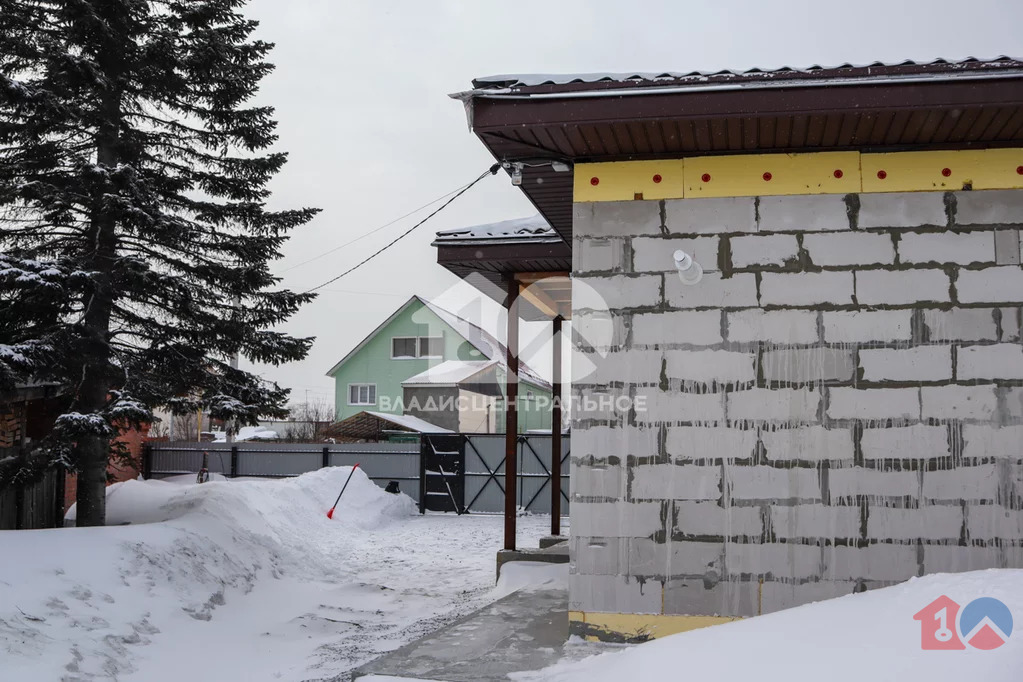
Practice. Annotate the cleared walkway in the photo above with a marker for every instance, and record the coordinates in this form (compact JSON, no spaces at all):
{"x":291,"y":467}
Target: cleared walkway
{"x":527,"y":630}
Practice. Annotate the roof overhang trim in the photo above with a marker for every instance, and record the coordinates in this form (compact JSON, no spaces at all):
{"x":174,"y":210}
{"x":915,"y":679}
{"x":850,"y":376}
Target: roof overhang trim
{"x":655,"y":88}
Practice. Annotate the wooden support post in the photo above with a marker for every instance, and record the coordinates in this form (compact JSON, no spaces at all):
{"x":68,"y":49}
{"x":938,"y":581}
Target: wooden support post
{"x":556,"y":430}
{"x":511,"y":417}
{"x":234,"y":461}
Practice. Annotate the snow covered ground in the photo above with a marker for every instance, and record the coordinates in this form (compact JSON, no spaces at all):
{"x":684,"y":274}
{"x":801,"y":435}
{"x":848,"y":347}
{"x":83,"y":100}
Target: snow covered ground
{"x":869,"y":637}
{"x":248,"y":579}
{"x":240,"y":579}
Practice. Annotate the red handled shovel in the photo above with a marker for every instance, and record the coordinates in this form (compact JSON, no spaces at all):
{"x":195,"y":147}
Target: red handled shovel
{"x":330,"y":514}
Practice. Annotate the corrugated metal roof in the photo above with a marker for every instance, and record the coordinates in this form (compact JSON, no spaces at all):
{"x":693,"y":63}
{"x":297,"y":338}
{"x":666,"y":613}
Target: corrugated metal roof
{"x":585,"y":118}
{"x":520,"y":230}
{"x":755,"y":73}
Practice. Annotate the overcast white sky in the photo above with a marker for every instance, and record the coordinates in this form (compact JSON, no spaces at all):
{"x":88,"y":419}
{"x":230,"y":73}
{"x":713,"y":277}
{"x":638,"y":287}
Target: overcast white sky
{"x":361,"y":95}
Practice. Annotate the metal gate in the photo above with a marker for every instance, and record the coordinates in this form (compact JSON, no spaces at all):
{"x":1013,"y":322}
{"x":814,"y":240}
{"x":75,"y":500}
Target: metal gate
{"x":484,"y":472}
{"x":442,"y":473}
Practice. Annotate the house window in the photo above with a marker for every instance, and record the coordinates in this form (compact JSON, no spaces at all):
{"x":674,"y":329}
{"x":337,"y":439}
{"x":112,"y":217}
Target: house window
{"x":404,"y":347}
{"x":431,"y":346}
{"x":362,"y":394}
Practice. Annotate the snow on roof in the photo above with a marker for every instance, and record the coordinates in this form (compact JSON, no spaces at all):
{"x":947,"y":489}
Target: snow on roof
{"x":450,"y":372}
{"x":409,"y":422}
{"x":484,"y":342}
{"x":246,"y":433}
{"x":532,"y":229}
{"x":535,"y":79}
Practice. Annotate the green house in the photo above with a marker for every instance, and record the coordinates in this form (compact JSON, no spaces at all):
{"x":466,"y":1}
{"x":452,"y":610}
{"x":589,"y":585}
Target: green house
{"x":418,"y":336}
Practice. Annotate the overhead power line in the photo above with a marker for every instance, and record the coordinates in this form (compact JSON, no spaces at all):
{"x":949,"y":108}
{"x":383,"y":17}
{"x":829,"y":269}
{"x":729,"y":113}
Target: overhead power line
{"x":374,"y":230}
{"x":490,"y":171}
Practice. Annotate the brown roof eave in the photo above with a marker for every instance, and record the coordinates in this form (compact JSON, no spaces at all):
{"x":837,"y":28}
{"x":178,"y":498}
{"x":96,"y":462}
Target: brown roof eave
{"x":503,"y":258}
{"x":494,"y":113}
{"x":494,"y":263}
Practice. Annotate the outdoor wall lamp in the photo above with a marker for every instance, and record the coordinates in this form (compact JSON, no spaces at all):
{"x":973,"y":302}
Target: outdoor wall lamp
{"x":515,"y":168}
{"x":689,"y":271}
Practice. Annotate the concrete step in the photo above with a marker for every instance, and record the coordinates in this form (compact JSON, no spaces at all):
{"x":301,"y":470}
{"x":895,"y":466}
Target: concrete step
{"x":551,"y":540}
{"x":554,"y":554}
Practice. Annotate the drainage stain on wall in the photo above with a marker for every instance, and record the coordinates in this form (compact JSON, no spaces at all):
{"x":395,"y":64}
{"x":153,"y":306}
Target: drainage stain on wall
{"x":837,"y":406}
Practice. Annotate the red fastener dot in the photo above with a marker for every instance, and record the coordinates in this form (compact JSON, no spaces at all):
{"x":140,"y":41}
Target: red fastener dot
{"x":838,"y":172}
{"x":594,"y":181}
{"x":881,"y":175}
{"x":946,"y":172}
{"x":657,"y":177}
{"x":767,"y":176}
{"x":705,"y":177}
{"x":1019,"y":170}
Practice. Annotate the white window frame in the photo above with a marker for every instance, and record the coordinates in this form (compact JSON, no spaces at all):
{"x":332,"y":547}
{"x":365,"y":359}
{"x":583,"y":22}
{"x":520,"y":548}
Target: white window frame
{"x":415,"y":349}
{"x":420,"y":345}
{"x":372,"y":389}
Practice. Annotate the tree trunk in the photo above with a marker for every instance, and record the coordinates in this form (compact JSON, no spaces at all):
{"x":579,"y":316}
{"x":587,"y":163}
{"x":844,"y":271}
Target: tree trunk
{"x":93,"y":451}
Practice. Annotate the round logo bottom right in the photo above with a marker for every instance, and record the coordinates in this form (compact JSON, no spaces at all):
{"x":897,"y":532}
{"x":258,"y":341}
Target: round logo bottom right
{"x":985,"y":623}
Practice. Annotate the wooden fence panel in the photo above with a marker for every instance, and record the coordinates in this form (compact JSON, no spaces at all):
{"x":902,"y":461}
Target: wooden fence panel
{"x":35,"y":505}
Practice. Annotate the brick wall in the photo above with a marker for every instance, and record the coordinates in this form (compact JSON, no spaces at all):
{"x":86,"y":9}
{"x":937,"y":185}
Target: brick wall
{"x":11,"y":425}
{"x":837,"y":406}
{"x":117,"y":471}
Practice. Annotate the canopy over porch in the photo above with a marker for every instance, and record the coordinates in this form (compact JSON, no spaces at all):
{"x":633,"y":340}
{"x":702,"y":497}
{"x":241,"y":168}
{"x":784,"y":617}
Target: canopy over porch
{"x":525,"y":266}
{"x":526,"y":250}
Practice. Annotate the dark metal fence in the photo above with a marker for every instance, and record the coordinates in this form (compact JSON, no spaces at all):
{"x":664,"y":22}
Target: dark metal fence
{"x":382,"y":462}
{"x":484,"y":472}
{"x":32,"y":506}
{"x":452,"y":472}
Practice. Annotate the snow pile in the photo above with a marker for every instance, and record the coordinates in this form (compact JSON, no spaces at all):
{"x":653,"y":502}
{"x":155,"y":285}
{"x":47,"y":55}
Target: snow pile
{"x":77,"y":603}
{"x":273,"y":503}
{"x":868,"y":636}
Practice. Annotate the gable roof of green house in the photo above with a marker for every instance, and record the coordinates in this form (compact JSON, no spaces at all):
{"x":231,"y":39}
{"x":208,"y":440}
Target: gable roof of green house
{"x":480,"y":339}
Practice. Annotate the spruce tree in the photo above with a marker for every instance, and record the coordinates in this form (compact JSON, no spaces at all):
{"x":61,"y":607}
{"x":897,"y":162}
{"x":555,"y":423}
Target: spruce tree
{"x":134,"y":233}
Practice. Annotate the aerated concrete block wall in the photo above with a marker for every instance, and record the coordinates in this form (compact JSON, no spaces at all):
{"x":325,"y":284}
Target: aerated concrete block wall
{"x":837,"y":406}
